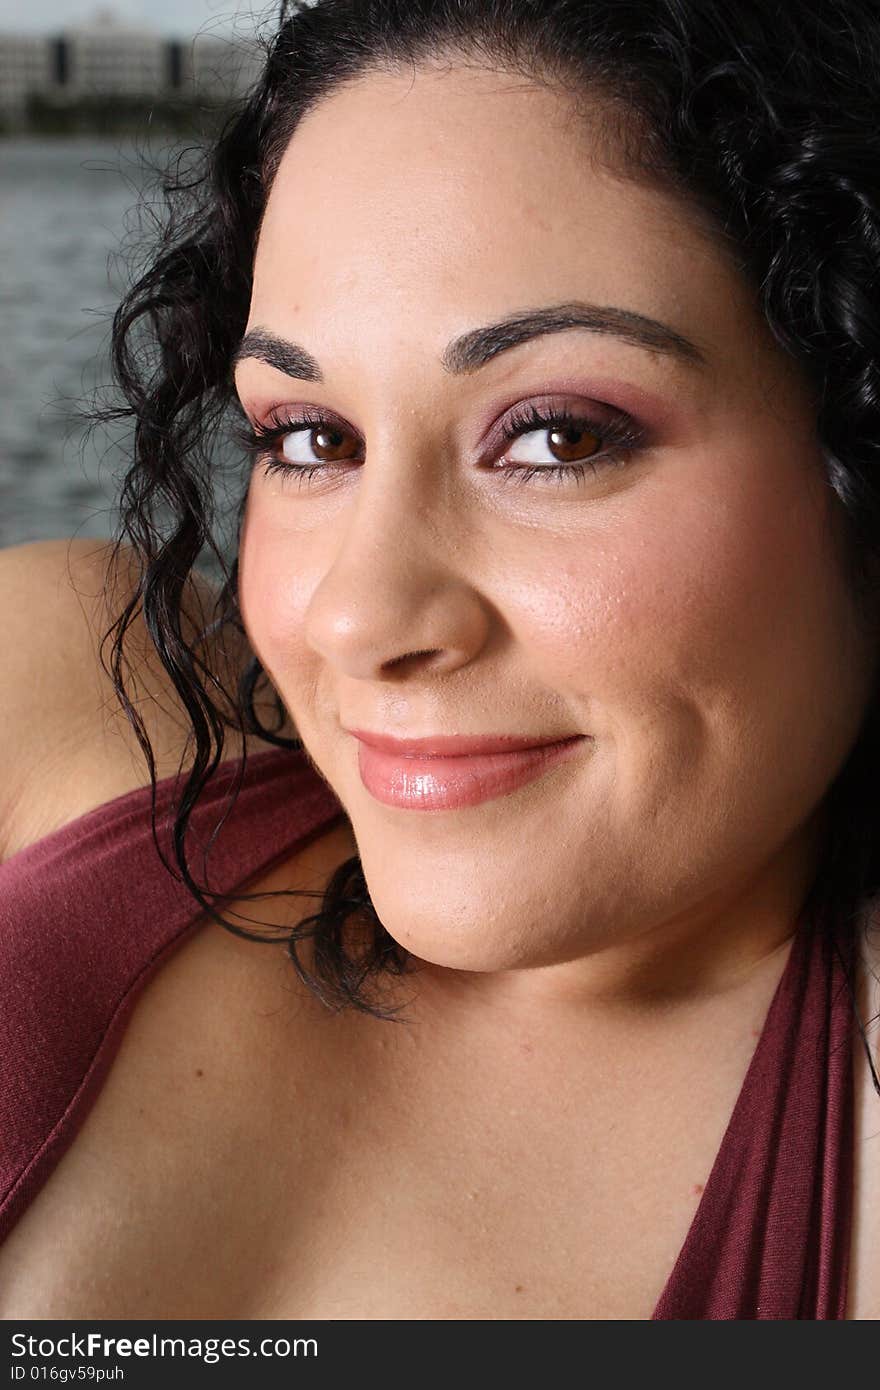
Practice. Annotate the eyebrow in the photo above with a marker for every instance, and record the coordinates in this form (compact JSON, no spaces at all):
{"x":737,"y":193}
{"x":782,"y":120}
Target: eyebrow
{"x":475,"y":348}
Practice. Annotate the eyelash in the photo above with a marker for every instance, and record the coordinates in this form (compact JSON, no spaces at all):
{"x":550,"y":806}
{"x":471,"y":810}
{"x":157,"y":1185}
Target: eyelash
{"x":618,"y":439}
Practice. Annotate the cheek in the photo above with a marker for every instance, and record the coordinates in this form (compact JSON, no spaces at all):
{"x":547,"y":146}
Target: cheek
{"x":275,"y":588}
{"x":724,"y":595}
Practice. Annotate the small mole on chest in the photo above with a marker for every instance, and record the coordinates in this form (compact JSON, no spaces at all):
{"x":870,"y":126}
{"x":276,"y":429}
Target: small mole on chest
{"x":199,"y":1071}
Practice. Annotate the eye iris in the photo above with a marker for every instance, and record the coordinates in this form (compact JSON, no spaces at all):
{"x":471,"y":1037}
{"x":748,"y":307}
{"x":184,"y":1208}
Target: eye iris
{"x":327,"y":442}
{"x":567,"y":441}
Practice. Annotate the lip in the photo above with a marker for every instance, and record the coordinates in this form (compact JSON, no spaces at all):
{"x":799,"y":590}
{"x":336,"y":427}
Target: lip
{"x":413,"y":774}
{"x":455,"y":745}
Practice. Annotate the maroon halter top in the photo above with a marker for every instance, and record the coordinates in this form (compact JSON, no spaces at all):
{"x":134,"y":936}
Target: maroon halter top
{"x":88,"y":914}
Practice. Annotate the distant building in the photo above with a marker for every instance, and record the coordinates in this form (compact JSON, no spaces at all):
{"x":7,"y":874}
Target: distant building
{"x":25,"y":66}
{"x":105,"y":57}
{"x":108,"y":58}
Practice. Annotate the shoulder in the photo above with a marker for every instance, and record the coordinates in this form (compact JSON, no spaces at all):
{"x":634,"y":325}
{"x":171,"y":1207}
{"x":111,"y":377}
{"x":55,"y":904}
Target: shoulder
{"x":65,"y":743}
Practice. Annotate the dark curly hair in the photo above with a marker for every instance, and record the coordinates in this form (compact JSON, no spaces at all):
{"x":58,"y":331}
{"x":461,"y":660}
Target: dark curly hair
{"x":762,"y":117}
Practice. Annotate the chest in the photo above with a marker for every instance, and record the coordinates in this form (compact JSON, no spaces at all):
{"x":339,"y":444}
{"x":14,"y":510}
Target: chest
{"x":247,"y":1158}
{"x":205,"y":1206}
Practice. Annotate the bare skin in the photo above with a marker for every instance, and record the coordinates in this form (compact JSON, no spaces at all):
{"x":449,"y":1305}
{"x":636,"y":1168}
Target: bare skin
{"x":540,"y":1131}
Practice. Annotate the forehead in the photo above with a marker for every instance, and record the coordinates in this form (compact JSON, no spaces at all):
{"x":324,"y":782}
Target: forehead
{"x":409,"y":196}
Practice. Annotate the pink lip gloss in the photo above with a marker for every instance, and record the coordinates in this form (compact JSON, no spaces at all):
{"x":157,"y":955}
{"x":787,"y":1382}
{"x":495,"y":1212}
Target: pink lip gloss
{"x":423,"y":783}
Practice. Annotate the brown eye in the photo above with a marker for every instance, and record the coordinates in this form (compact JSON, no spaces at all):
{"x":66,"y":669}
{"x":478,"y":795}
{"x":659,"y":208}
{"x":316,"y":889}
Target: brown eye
{"x":327,"y":443}
{"x":543,"y":442}
{"x":571,"y":443}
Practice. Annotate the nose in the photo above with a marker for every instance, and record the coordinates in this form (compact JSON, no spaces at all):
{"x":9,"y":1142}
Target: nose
{"x":398,"y":595}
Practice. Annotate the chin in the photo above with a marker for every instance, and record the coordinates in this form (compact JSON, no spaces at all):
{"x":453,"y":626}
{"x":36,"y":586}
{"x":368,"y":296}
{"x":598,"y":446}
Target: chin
{"x":466,"y":943}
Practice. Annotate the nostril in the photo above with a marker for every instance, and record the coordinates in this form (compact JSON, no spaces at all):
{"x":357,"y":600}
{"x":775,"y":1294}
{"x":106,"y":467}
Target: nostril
{"x":397,"y":661}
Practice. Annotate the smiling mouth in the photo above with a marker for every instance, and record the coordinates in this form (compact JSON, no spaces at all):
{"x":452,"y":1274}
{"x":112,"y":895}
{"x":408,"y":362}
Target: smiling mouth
{"x":404,"y":775}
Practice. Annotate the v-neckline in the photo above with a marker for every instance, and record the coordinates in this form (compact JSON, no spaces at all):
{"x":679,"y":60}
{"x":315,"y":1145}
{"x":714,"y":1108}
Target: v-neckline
{"x":772,"y":1227}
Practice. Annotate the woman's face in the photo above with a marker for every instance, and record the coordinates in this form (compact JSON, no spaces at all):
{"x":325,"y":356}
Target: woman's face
{"x":680,"y":604}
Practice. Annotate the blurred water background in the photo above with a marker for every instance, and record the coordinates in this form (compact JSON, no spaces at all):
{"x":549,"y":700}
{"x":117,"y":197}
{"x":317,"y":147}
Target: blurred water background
{"x":67,"y":212}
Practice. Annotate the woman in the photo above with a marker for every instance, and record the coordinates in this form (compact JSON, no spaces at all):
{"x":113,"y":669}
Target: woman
{"x":553,"y":332}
